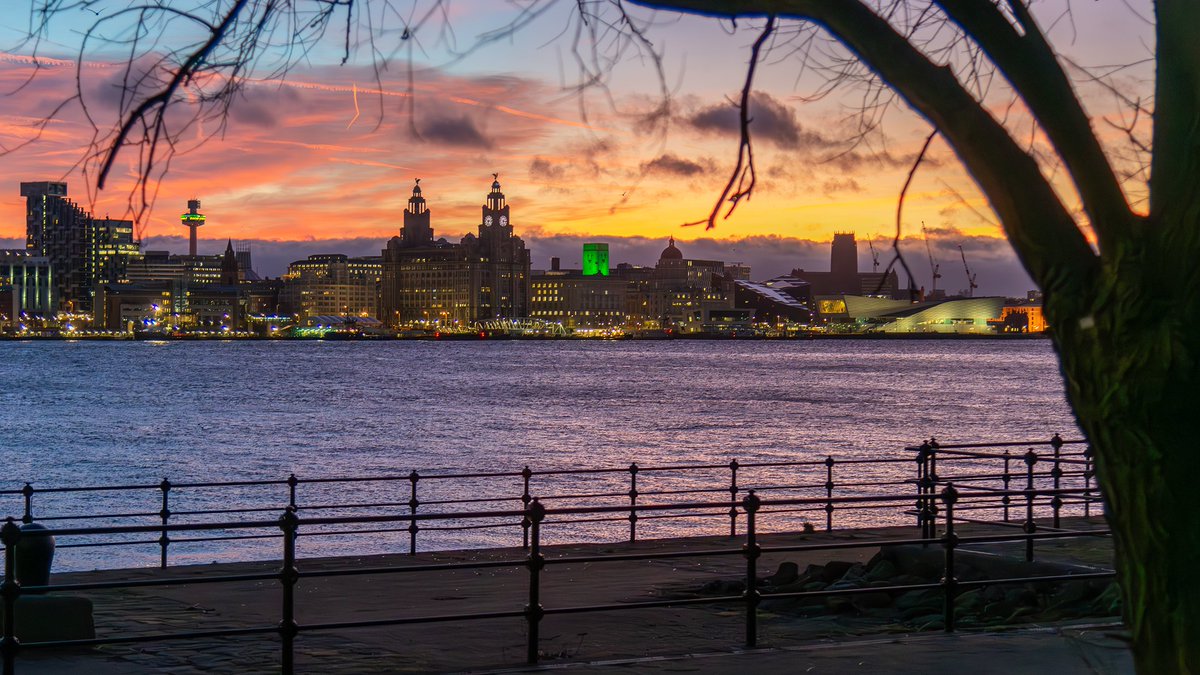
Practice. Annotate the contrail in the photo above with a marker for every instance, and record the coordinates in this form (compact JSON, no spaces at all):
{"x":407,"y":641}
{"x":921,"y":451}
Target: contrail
{"x":354,"y":90}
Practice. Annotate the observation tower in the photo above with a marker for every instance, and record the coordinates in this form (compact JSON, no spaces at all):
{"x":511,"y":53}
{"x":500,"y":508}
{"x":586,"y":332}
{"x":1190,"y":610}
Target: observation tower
{"x":192,"y":220}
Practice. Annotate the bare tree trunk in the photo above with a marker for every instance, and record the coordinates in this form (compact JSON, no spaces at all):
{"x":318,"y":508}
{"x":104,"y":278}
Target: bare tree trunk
{"x":1132,"y":365}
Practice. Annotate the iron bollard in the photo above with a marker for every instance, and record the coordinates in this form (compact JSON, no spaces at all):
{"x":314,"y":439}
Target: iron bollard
{"x":288,"y":577}
{"x":751,"y":550}
{"x":34,"y":555}
{"x":536,"y":513}
{"x":950,"y":542}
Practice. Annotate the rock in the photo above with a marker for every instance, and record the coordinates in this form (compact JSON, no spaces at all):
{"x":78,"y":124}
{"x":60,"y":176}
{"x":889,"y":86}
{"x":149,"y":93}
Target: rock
{"x":884,"y":569}
{"x":787,"y":573}
{"x":856,"y":572}
{"x":835,"y":570}
{"x":813,"y":586}
{"x":845,"y":584}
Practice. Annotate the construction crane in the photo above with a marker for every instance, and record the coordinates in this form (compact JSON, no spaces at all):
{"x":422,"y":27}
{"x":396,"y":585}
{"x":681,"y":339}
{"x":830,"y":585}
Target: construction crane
{"x":933,"y":266}
{"x":971,"y":285}
{"x":874,"y":255}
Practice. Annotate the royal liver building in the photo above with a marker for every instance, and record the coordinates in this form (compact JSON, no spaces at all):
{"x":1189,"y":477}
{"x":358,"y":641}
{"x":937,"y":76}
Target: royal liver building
{"x":435,"y":283}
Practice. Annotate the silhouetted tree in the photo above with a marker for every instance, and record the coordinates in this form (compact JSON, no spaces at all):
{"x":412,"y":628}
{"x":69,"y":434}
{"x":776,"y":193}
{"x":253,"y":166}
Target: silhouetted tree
{"x":1123,"y":308}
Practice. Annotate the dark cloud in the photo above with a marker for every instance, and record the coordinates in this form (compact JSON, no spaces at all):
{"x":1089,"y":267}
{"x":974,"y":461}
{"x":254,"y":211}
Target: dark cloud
{"x":541,"y":168}
{"x":673,"y":165}
{"x":454,"y":130}
{"x":834,"y":186}
{"x":772,"y":121}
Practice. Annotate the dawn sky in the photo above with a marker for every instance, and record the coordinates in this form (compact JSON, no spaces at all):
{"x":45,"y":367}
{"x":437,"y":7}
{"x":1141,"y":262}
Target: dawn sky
{"x":324,"y":159}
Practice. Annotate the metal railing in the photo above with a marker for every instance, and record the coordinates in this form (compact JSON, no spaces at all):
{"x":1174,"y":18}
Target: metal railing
{"x":751,"y":507}
{"x":983,"y":467}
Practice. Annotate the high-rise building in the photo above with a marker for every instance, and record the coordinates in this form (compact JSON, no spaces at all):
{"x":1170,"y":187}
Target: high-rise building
{"x":843,"y":276}
{"x":84,"y":252}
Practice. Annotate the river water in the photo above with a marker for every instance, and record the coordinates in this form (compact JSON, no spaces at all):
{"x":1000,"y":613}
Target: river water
{"x":85,"y":413}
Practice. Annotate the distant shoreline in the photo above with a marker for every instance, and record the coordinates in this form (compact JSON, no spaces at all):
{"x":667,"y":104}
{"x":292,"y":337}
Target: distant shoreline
{"x":476,"y":338}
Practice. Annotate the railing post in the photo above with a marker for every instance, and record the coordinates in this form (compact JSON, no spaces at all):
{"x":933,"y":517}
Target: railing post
{"x":733,"y":493}
{"x":413,"y":503}
{"x":10,"y":590}
{"x":950,"y":542}
{"x":27,"y":493}
{"x":1087,"y":482}
{"x":633,"y":495}
{"x":288,"y":577}
{"x":292,"y":482}
{"x":526,"y":474}
{"x":932,"y":479}
{"x":829,"y":493}
{"x":536,"y":513}
{"x":1056,"y":473}
{"x":922,"y":510}
{"x":751,"y":550}
{"x":1007,"y":500}
{"x":1030,"y":527}
{"x":164,"y":514}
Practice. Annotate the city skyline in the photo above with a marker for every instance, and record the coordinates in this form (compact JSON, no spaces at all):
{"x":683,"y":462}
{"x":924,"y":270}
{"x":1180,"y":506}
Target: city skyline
{"x":337,"y":170}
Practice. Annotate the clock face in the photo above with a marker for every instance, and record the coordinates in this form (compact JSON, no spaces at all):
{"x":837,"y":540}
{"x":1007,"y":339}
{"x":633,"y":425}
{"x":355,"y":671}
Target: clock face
{"x":487,"y":220}
{"x":503,"y":221}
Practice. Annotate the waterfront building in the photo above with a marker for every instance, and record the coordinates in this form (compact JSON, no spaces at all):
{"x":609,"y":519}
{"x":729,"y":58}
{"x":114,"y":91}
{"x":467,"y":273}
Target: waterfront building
{"x":188,"y":293}
{"x":782,"y":300}
{"x":334,"y":285}
{"x":84,"y":252}
{"x":1023,"y":317}
{"x":26,"y":286}
{"x":882,"y":315}
{"x":678,"y":293}
{"x":431,"y":282}
{"x":843,"y":276}
{"x":595,"y":260}
{"x":578,"y":300}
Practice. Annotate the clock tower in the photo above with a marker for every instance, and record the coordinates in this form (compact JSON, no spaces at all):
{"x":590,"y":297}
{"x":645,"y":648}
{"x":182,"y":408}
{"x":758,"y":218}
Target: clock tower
{"x":416,"y":230}
{"x":495,"y":214}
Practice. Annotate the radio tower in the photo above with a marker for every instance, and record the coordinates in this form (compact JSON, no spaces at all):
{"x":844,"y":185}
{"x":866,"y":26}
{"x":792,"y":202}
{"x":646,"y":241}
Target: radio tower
{"x":192,"y":220}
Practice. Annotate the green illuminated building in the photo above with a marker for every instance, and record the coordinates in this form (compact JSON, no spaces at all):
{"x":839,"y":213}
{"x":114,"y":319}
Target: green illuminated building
{"x":595,"y":260}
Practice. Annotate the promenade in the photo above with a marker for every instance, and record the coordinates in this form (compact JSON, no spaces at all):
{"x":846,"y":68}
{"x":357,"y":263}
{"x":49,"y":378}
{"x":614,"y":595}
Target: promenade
{"x":696,"y":638}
